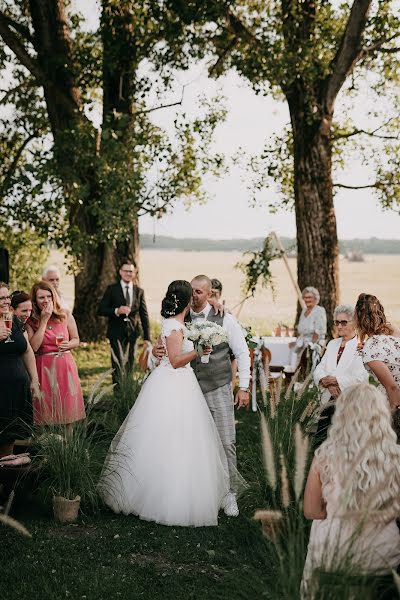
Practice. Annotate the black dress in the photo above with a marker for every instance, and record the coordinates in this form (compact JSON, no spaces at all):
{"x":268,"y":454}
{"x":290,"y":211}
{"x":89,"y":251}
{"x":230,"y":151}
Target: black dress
{"x":16,"y":414}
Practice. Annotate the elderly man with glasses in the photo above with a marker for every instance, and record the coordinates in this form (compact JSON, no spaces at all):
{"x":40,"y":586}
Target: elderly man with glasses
{"x":340,"y":367}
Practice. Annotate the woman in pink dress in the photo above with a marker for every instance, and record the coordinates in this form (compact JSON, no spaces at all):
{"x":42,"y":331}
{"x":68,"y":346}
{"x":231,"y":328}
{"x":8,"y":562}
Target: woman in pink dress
{"x":53,"y":334}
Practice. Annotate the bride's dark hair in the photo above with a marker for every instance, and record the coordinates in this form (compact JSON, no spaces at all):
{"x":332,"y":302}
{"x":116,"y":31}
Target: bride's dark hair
{"x":176,"y":299}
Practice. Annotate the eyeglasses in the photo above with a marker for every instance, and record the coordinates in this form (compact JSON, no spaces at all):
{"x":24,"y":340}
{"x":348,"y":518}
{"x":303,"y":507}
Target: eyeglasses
{"x":343,"y":323}
{"x":4,"y":298}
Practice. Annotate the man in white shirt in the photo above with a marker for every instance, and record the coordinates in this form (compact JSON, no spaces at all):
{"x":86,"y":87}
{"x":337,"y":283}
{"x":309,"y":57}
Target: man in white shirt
{"x":51,"y":274}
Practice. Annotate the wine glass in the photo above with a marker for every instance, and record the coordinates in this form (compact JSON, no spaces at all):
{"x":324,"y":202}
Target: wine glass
{"x":8,"y":321}
{"x":126,"y":319}
{"x":59,"y":341}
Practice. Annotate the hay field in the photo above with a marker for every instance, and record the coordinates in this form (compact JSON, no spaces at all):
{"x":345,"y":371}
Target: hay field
{"x":379,"y":275}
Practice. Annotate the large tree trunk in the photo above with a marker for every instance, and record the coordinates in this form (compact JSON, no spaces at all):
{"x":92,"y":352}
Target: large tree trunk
{"x":97,"y":262}
{"x":317,"y":242}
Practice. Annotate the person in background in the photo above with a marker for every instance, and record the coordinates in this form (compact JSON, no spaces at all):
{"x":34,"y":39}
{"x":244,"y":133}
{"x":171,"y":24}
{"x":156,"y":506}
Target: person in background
{"x":18,"y":378}
{"x":340,"y":367}
{"x":21,"y":304}
{"x":381,"y":351}
{"x":216,"y":289}
{"x":51,"y":274}
{"x":125,"y":307}
{"x":53,"y":334}
{"x":352,"y":492}
{"x":311,"y":328}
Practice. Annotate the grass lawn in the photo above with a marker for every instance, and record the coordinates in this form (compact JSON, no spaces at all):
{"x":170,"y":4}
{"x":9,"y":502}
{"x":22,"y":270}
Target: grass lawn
{"x":109,"y":556}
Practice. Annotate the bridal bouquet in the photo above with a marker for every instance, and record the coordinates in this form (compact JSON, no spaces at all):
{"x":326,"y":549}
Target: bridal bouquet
{"x":204,"y":334}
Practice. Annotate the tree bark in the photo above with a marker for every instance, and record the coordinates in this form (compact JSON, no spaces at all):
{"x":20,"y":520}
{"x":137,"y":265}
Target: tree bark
{"x":317,"y":241}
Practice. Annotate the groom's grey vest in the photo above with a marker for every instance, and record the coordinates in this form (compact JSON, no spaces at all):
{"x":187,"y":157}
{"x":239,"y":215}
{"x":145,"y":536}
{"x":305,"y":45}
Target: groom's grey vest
{"x":218,"y":371}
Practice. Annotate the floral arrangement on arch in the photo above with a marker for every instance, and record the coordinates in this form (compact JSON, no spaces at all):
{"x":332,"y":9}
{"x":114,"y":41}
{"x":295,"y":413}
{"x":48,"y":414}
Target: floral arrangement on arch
{"x":248,"y":336}
{"x":204,"y":334}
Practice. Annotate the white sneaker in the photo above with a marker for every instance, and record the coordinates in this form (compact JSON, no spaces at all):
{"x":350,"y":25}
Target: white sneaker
{"x":229,"y":505}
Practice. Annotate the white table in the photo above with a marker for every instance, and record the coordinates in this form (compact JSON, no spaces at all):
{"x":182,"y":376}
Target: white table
{"x":281,"y":354}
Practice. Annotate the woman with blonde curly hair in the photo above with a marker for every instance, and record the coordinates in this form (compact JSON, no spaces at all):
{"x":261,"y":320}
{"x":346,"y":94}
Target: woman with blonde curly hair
{"x":353,"y":490}
{"x":381,"y":351}
{"x":53,"y":333}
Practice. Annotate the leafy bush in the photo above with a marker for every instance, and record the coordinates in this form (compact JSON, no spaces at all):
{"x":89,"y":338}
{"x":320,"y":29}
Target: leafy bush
{"x":28,"y":255}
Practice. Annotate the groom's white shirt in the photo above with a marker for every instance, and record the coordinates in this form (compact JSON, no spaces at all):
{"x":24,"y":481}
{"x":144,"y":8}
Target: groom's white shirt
{"x":236,"y":342}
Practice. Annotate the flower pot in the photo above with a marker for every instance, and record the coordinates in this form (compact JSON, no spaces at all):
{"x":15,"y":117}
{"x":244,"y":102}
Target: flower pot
{"x":66,"y":511}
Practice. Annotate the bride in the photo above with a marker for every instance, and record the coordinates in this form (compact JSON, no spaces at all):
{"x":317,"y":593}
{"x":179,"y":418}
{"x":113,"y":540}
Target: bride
{"x":166,"y":463}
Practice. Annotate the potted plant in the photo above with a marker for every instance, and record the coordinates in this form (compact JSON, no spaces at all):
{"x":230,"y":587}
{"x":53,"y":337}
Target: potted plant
{"x":70,"y":460}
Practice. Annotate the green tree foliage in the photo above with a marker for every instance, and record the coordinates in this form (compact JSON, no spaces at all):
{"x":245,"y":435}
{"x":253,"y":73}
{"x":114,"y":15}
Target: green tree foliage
{"x":82,"y":156}
{"x":29,"y":254}
{"x":307,"y":52}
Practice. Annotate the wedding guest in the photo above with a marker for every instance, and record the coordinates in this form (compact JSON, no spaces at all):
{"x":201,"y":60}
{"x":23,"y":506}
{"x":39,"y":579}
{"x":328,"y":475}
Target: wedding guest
{"x":340,"y":367}
{"x":51,"y":274}
{"x":216,"y":289}
{"x":18,"y":378}
{"x":381,"y":351}
{"x":311,"y":328}
{"x":53,"y":334}
{"x":21,"y":304}
{"x":353,"y":490}
{"x":125,"y":307}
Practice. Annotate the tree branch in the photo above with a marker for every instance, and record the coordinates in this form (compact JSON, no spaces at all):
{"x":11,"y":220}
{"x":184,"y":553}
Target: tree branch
{"x":355,"y":187}
{"x":378,"y":46}
{"x":14,"y":43}
{"x":149,"y":110}
{"x":348,"y":51}
{"x":21,"y":29}
{"x":30,"y":63}
{"x":12,"y":168}
{"x":372,"y":133}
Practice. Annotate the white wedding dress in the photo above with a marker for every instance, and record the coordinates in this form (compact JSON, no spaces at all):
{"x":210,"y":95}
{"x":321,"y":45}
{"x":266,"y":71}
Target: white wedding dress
{"x":167,"y":464}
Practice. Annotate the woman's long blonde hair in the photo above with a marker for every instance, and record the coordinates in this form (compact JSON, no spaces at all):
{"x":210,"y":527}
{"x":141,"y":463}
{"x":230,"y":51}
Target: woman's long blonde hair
{"x":58,"y":313}
{"x":362,"y":455}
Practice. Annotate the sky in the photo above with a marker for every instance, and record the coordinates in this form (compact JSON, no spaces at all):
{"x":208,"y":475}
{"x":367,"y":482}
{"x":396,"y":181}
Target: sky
{"x":251,"y":121}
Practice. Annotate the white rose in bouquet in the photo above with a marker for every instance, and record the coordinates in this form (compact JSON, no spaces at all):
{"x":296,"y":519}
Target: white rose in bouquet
{"x":204,"y":334}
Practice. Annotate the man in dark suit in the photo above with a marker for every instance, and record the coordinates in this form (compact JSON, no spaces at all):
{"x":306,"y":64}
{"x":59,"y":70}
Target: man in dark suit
{"x":124,"y":305}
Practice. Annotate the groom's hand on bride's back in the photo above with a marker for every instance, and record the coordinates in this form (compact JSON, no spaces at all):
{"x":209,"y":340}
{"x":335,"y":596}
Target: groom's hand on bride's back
{"x":158,"y":350}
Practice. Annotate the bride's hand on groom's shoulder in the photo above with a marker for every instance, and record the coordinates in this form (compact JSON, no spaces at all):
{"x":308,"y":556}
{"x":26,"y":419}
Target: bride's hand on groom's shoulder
{"x":218,"y":307}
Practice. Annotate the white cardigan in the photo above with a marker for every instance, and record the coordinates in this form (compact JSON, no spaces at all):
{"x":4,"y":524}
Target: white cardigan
{"x":349,"y":371}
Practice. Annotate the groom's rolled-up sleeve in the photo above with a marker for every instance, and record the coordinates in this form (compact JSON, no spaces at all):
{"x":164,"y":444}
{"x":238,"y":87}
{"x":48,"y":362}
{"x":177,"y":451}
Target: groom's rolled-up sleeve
{"x":238,"y":345}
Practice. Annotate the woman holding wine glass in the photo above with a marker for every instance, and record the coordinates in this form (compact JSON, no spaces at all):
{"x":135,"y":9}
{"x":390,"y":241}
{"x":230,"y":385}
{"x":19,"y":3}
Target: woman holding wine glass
{"x":53,"y":334}
{"x":18,"y":377}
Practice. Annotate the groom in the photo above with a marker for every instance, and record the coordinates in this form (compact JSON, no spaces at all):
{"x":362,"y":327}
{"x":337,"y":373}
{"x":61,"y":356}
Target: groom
{"x":215,"y":378}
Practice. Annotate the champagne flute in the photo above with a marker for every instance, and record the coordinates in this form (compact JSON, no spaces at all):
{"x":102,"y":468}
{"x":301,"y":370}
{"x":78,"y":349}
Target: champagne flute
{"x":8,"y":322}
{"x":59,"y":341}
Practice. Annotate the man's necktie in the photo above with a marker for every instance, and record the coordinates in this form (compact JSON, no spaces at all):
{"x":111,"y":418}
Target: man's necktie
{"x":127,"y":296}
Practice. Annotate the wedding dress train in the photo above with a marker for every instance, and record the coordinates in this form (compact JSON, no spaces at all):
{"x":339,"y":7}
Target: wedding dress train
{"x":167,"y":464}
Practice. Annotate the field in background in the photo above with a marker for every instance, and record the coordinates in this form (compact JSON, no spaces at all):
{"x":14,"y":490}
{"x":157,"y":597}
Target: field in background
{"x":379,"y":275}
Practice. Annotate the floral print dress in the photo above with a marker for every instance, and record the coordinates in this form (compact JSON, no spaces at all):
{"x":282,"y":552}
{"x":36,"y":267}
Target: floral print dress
{"x":385,"y":348}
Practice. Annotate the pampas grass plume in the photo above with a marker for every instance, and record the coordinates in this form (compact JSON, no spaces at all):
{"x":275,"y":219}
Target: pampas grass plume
{"x":284,"y":483}
{"x":268,"y":452}
{"x":301,"y":445}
